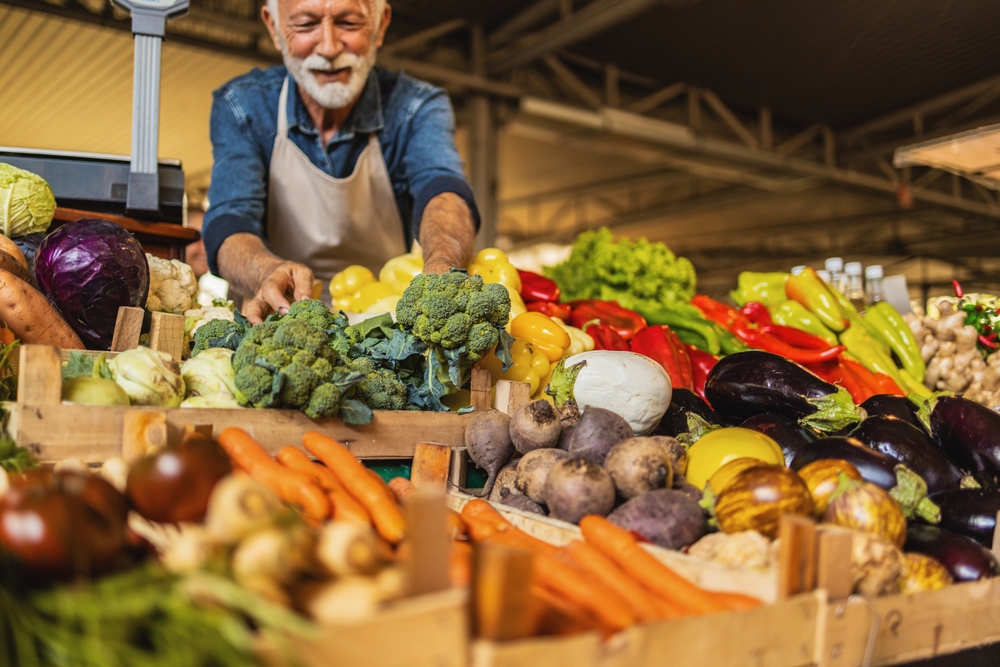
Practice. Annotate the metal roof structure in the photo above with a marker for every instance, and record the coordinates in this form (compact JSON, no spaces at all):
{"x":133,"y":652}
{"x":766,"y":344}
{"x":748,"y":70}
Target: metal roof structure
{"x":745,"y":133}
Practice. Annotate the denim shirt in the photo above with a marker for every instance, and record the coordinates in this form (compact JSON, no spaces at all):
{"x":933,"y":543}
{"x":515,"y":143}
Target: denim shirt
{"x":413,"y":120}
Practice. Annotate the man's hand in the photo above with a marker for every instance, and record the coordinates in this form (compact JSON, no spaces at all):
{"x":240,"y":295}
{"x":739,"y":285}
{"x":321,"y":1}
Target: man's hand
{"x":439,"y":265}
{"x":246,"y":262}
{"x":447,"y":233}
{"x":272,"y":295}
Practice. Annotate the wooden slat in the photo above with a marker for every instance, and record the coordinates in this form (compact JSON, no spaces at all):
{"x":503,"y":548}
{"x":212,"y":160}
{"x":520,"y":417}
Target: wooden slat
{"x":501,"y":595}
{"x":94,"y":434}
{"x":39,"y":379}
{"x":430,"y":546}
{"x":796,"y":556}
{"x":833,"y":567}
{"x":996,"y":536}
{"x":431,"y":465}
{"x":166,"y":334}
{"x":480,"y":388}
{"x":511,"y":395}
{"x":163,"y":229}
{"x":128,"y":328}
{"x":142,"y":431}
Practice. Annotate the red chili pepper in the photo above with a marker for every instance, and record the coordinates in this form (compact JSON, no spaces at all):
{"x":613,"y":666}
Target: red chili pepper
{"x":877,"y":383}
{"x":795,"y":337}
{"x":624,"y":321}
{"x":986,"y":342}
{"x":757,"y":313}
{"x":549,"y":308}
{"x":743,"y":329}
{"x":861,"y":385}
{"x":959,"y":292}
{"x":537,"y":288}
{"x":702,"y":364}
{"x":605,"y":338}
{"x":663,"y":346}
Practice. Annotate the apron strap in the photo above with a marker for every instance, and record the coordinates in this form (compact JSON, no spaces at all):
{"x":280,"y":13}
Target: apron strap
{"x":283,"y":110}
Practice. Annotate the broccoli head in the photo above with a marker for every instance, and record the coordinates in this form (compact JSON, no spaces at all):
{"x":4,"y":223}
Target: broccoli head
{"x":381,"y":388}
{"x":299,"y":335}
{"x":254,"y":386}
{"x":324,"y":401}
{"x":297,"y":383}
{"x":483,"y":337}
{"x":218,"y":333}
{"x":315,"y":312}
{"x":444,"y":310}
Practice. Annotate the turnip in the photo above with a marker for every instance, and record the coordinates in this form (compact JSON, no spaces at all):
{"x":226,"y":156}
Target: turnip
{"x":535,"y":425}
{"x":638,"y":466}
{"x":688,"y":489}
{"x":506,"y":479}
{"x":533,"y":469}
{"x":596,"y":433}
{"x":576,"y":487}
{"x":665,"y":517}
{"x":487,"y":439}
{"x":566,"y":436}
{"x":520,"y":502}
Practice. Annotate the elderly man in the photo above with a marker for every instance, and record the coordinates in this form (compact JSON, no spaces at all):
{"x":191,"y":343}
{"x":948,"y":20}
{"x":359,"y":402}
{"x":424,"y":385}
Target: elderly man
{"x":330,"y":161}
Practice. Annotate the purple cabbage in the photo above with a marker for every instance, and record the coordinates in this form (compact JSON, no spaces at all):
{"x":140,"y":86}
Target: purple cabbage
{"x":88,"y":269}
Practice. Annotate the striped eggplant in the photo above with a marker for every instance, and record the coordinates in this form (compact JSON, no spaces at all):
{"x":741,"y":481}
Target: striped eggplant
{"x":757,"y":498}
{"x":963,"y":557}
{"x":865,"y":507}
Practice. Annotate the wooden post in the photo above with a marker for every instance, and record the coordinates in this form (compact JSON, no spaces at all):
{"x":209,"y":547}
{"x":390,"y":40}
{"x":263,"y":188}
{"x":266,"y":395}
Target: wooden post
{"x":431,"y":465}
{"x":128,"y":328}
{"x":430,"y":546}
{"x":39,"y":378}
{"x":142,"y":432}
{"x":996,"y":537}
{"x":833,"y":569}
{"x":501,"y":594}
{"x":480,"y":385}
{"x":511,"y":395}
{"x":796,"y":556}
{"x":166,"y":334}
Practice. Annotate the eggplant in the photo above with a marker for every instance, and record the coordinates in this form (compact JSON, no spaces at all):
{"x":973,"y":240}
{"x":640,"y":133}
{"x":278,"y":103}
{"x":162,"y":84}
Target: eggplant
{"x":891,"y":406}
{"x":874,"y":467}
{"x":788,"y":433}
{"x":751,"y":383}
{"x":964,"y":558}
{"x":968,"y":432}
{"x":971,"y":512}
{"x":684,"y":402}
{"x":912,"y":447}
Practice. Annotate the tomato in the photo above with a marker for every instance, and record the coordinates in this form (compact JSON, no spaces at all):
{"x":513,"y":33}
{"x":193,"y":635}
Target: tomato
{"x":718,"y":448}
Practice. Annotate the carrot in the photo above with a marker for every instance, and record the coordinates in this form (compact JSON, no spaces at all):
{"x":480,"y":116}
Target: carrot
{"x":460,"y":564}
{"x":482,"y":512}
{"x":619,"y":546}
{"x":31,"y":317}
{"x":478,"y":529}
{"x":560,"y":617}
{"x":401,"y":487}
{"x":738,"y":601}
{"x":6,"y":336}
{"x":344,"y":507}
{"x":375,"y":498}
{"x":571,"y":584}
{"x":481,"y":509}
{"x":604,"y":570}
{"x":291,"y":486}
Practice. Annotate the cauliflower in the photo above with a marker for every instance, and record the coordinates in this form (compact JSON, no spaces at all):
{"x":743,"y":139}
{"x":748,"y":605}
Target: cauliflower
{"x":196,"y":317}
{"x":211,"y":372}
{"x":172,"y":285}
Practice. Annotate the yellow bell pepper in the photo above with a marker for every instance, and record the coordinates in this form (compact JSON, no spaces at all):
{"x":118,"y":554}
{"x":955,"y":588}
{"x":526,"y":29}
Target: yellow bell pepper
{"x":494,"y":267}
{"x":548,"y":337}
{"x":530,"y":365}
{"x":384,"y":305}
{"x":350,"y":280}
{"x":369,"y":294}
{"x":398,"y":272}
{"x":580,"y":340}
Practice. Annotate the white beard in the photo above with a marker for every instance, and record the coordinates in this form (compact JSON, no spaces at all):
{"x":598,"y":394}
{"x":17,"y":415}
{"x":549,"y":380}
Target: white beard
{"x":330,"y":95}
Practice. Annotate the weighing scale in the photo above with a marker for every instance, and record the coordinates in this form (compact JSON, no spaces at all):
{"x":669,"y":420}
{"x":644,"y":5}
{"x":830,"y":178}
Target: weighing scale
{"x":142,"y":185}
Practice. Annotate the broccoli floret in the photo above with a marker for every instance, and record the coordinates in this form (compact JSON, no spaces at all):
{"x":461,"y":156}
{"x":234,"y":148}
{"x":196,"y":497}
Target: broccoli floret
{"x":445,"y":310}
{"x":246,"y":355}
{"x":304,"y":357}
{"x":277,"y":358}
{"x":315,"y":312}
{"x":323,"y":369}
{"x":323,"y":402}
{"x":254,"y":387}
{"x":261,"y":333}
{"x":381,"y":388}
{"x":299,"y":335}
{"x":218,"y":333}
{"x":297,"y":384}
{"x":483,"y":337}
{"x":363,"y":365}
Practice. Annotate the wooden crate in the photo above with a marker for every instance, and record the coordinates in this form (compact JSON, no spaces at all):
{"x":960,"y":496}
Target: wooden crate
{"x":910,"y":627}
{"x":54,"y":431}
{"x":425,"y":631}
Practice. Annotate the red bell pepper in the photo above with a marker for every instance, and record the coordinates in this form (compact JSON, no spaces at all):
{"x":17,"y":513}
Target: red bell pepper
{"x":835,"y":372}
{"x":702,"y":364}
{"x":757,"y":313}
{"x":624,"y":321}
{"x":876,"y":383}
{"x":550,"y":308}
{"x":747,"y":332}
{"x":605,"y":338}
{"x":663,"y":346}
{"x":537,"y":288}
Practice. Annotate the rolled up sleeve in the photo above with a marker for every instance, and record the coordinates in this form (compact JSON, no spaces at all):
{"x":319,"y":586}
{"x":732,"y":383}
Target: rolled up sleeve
{"x":431,"y":160}
{"x":238,"y":192}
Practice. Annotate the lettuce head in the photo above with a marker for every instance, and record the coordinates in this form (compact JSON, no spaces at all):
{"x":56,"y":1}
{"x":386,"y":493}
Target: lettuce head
{"x":26,"y":202}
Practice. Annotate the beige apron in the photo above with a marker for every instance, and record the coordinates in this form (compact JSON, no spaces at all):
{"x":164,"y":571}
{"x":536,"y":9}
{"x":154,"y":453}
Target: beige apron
{"x":330,"y":223}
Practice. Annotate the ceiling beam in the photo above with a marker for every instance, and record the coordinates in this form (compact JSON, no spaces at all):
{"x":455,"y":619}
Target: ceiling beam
{"x":448,"y":76}
{"x":526,"y":19}
{"x":578,"y":26}
{"x":422,"y":37}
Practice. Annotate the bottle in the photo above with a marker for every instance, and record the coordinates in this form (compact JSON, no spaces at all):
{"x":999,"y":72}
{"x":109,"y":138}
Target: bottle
{"x":825,"y":275}
{"x":873,"y":284}
{"x":835,"y":267}
{"x":854,"y":289}
{"x":796,"y":270}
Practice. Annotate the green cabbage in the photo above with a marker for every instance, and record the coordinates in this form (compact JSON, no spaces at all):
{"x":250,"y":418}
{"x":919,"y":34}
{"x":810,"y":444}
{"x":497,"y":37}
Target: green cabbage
{"x":26,"y":202}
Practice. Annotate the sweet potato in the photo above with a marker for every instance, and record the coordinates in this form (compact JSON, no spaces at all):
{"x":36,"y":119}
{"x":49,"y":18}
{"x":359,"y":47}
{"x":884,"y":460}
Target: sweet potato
{"x":31,"y":317}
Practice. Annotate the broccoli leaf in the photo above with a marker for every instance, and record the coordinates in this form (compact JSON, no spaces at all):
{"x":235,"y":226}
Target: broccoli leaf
{"x":15,"y":459}
{"x":383,"y":323}
{"x":345,"y":380}
{"x":355,"y":412}
{"x":502,"y":351}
